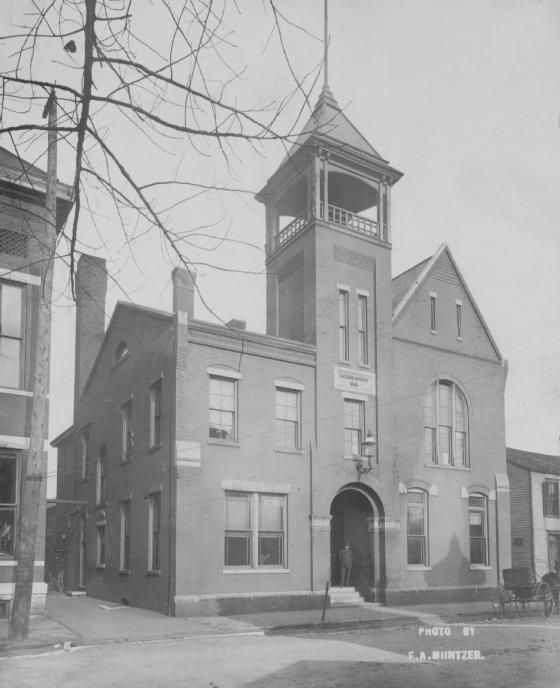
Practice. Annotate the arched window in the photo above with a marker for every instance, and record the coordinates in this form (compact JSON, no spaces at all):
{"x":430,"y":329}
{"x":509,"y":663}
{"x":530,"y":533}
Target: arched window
{"x":446,"y":425}
{"x":121,"y":351}
{"x":417,"y":528}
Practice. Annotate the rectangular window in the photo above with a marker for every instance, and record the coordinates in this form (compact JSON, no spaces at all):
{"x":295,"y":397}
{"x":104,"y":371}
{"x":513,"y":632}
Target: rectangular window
{"x":255,"y":530}
{"x":8,"y":503}
{"x":433,"y":321}
{"x":550,"y":498}
{"x":101,"y":544}
{"x":416,"y":528}
{"x":127,"y":431}
{"x":101,"y":492}
{"x":478,"y":530}
{"x":363,"y":357}
{"x":287,"y":422}
{"x":11,"y":308}
{"x":125,"y":536}
{"x":223,"y":407}
{"x":343,"y":326}
{"x":154,"y":504}
{"x":459,"y":318}
{"x":155,"y":414}
{"x":553,"y":552}
{"x":353,"y":427}
{"x":84,"y":453}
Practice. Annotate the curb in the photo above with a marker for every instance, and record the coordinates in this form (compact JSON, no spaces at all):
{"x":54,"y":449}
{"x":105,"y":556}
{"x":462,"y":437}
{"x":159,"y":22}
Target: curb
{"x":353,"y":624}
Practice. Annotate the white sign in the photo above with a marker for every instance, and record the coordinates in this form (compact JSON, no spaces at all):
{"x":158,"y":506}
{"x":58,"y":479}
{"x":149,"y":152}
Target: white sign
{"x":354,"y":381}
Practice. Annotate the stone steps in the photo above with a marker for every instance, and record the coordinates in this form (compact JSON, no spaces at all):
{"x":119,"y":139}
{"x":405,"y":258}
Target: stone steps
{"x":345,"y":597}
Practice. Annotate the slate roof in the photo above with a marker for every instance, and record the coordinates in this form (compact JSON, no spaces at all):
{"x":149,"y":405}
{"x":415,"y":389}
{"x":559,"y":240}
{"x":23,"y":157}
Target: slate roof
{"x":531,"y":461}
{"x":402,"y":283}
{"x":329,"y":122}
{"x":15,"y":170}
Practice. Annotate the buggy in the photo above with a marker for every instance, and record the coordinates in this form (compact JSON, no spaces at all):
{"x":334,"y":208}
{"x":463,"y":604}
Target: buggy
{"x":522,"y":591}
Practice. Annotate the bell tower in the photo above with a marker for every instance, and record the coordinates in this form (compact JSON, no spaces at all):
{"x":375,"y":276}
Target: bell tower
{"x":330,"y":198}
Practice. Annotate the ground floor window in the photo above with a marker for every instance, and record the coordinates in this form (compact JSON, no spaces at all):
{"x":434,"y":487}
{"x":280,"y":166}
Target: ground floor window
{"x":554,"y":552}
{"x":255,"y":529}
{"x":125,"y":536}
{"x":478,"y":529}
{"x":8,"y":503}
{"x":417,"y":528}
{"x":154,"y":504}
{"x":101,"y":544}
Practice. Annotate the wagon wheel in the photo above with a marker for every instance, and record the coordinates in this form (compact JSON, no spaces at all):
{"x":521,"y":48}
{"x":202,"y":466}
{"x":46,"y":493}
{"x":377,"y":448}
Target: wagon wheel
{"x":60,"y":581}
{"x":545,"y":600}
{"x":501,"y":601}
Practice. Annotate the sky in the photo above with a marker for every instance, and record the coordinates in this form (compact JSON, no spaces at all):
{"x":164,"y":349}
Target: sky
{"x":462,"y":96}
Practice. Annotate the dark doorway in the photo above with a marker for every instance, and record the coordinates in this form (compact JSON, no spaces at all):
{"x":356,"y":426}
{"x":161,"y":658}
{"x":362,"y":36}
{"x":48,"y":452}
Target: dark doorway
{"x":356,"y":522}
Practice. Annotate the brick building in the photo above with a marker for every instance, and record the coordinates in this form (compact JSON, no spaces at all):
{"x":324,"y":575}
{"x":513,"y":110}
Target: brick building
{"x":225,"y":469}
{"x":22,"y":228}
{"x":535,"y":509}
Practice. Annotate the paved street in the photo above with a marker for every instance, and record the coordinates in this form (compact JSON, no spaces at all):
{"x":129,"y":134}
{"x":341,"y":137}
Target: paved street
{"x":521,"y":653}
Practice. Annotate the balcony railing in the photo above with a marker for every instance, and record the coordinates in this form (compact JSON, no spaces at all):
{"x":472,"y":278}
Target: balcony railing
{"x":292,"y":229}
{"x":337,"y":216}
{"x":355,"y":223}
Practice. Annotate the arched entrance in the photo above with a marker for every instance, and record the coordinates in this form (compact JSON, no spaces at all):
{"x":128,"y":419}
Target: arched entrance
{"x":357,"y":519}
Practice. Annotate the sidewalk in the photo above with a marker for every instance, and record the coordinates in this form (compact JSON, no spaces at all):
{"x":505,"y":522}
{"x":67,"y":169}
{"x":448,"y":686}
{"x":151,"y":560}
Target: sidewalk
{"x":87,"y":621}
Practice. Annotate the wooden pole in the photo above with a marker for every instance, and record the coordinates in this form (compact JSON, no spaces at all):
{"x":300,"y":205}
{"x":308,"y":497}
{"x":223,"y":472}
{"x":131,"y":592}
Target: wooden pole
{"x":34,"y":470}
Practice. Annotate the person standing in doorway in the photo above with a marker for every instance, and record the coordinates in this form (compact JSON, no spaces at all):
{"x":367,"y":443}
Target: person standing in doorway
{"x":345,"y":560}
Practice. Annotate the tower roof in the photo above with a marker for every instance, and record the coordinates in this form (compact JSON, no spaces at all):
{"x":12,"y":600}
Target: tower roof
{"x":329,"y":123}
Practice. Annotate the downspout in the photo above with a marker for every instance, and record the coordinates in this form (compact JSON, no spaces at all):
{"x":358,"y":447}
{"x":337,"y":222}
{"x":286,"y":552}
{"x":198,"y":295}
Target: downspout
{"x":311,"y":560}
{"x":171,"y":549}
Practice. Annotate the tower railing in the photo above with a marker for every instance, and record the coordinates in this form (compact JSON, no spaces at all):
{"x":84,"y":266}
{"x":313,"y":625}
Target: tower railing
{"x":355,"y":223}
{"x":337,"y":216}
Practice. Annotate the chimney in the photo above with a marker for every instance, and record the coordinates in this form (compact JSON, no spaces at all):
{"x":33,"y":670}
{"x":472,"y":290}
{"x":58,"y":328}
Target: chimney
{"x":183,"y":291}
{"x":91,"y":290}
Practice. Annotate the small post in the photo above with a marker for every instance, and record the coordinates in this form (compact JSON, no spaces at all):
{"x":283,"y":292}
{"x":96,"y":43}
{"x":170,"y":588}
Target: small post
{"x":325,"y":601}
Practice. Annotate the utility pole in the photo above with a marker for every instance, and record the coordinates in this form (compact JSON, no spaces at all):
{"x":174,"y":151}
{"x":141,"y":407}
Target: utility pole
{"x":34,"y":470}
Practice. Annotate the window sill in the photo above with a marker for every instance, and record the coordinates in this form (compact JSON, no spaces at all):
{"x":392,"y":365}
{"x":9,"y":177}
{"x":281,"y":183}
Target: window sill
{"x":124,"y":572}
{"x":298,"y":452}
{"x":101,"y":566}
{"x":341,"y":362}
{"x":459,"y":339}
{"x":84,"y":479}
{"x":480,"y":567}
{"x":153,"y":572}
{"x":154,"y":448}
{"x":433,"y":331}
{"x":100,"y":505}
{"x":259,"y":570}
{"x":418,"y":567}
{"x":223,"y":443}
{"x":15,"y":390}
{"x":447,"y":466}
{"x":121,"y":360}
{"x":364,"y":365}
{"x":125,"y":462}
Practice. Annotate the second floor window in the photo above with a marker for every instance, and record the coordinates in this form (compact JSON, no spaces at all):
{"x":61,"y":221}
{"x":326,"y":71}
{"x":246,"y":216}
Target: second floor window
{"x":353,"y":427}
{"x":287,"y":422}
{"x":446,"y":425}
{"x":84,"y":453}
{"x":223,"y":407}
{"x":343,"y":340}
{"x":127,"y":431}
{"x":155,"y":414}
{"x":11,"y":305}
{"x":551,"y":506}
{"x":363,"y":357}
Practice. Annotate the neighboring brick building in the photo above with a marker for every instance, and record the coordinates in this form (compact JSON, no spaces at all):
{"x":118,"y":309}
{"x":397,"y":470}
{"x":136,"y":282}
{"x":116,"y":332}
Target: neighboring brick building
{"x":535,"y":509}
{"x":22,"y":228}
{"x":225,"y":469}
